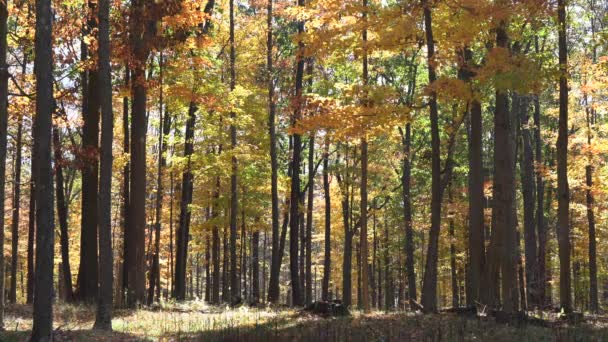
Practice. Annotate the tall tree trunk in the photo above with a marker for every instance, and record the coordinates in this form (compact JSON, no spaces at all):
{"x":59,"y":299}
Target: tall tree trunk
{"x":62,"y":213}
{"x":593,"y":293}
{"x":528,"y":191}
{"x":389,"y":295}
{"x":4,"y":75}
{"x":225,"y":266}
{"x":31,"y":229}
{"x":215,"y":248}
{"x":429,"y":287}
{"x":453,"y":270}
{"x":476,"y":199}
{"x":327,"y":250}
{"x":348,"y":235}
{"x":243,"y":257}
{"x":363,"y":235}
{"x":540,"y":213}
{"x":504,"y":182}
{"x":183,"y":230}
{"x":124,"y":213}
{"x":15,"y":212}
{"x":208,"y":280}
{"x":234,"y":284}
{"x":294,"y":215}
{"x":135,"y":259}
{"x":563,"y":198}
{"x":407,"y":215}
{"x":275,"y":265}
{"x":163,"y":135}
{"x":103,"y":319}
{"x":88,"y":269}
{"x":255,"y":267}
{"x":309,"y":209}
{"x":42,"y":329}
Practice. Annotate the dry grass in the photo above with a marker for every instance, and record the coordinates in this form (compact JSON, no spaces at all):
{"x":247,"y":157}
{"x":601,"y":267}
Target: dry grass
{"x":196,"y":321}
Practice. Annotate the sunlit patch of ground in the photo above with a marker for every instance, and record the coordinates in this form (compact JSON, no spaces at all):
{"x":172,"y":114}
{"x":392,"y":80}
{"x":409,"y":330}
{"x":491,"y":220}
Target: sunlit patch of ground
{"x":196,"y":321}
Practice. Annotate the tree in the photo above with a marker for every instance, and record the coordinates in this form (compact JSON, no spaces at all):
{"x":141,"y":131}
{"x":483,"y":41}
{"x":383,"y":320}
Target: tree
{"x":3,"y":138}
{"x":62,"y":213}
{"x":294,"y":214}
{"x":234,"y":284}
{"x":183,"y":230}
{"x":563,"y":196}
{"x":42,"y":329}
{"x":327,"y":239}
{"x":429,"y":286}
{"x":103,"y":319}
{"x":15,"y":212}
{"x":364,"y":163}
{"x":504,"y":183}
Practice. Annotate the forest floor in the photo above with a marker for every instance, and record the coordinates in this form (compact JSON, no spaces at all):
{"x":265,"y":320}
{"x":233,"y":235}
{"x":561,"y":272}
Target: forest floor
{"x":195,"y":321}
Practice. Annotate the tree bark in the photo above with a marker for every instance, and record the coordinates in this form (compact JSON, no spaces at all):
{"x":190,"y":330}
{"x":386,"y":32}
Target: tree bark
{"x":124,"y":213}
{"x":183,"y":230}
{"x":234,"y":284}
{"x":364,"y":157}
{"x":294,"y":222}
{"x":88,"y":269}
{"x":528,"y":192}
{"x":309,"y":209}
{"x":504,"y":182}
{"x":407,"y":215}
{"x":103,"y":319}
{"x":327,"y":251}
{"x":275,"y":264}
{"x":476,"y":197}
{"x":453,"y":270}
{"x":215,"y":248}
{"x":15,"y":212}
{"x":62,"y":213}
{"x":255,"y":267}
{"x":563,"y":198}
{"x":593,"y":292}
{"x":163,"y":136}
{"x":31,"y":236}
{"x":42,"y":329}
{"x":429,"y":287}
{"x":4,"y":75}
{"x":135,"y":259}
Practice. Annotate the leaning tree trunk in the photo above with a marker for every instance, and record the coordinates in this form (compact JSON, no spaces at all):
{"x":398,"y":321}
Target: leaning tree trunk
{"x":42,"y":328}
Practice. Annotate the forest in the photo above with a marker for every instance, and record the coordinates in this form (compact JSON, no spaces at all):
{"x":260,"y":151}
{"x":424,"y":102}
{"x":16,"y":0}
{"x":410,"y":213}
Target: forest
{"x":344,"y":170}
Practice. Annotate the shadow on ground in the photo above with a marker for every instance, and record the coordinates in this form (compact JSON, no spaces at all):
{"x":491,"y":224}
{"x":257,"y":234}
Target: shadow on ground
{"x":305,"y":327}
